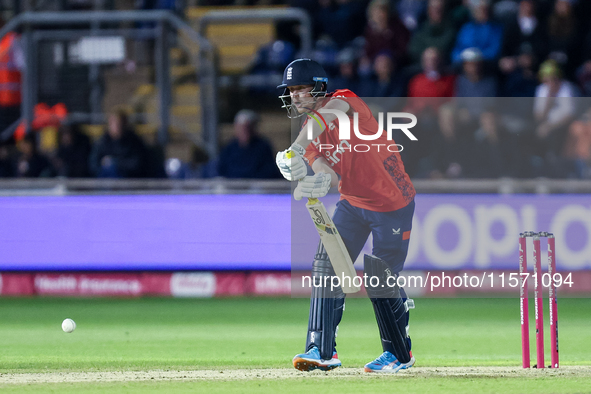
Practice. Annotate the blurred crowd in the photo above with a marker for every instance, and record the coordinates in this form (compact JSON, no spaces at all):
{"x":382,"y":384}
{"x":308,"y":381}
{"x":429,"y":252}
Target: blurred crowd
{"x":118,"y":153}
{"x":518,"y":70}
{"x":121,"y":153}
{"x":500,"y":87}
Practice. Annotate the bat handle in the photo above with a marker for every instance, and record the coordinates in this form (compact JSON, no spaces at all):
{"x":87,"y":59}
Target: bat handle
{"x":312,"y":201}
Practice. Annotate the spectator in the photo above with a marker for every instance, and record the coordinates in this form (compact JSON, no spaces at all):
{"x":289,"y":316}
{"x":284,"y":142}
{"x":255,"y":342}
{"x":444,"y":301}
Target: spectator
{"x":347,"y":77}
{"x":519,"y":72}
{"x":427,"y":92}
{"x":525,"y":29}
{"x":248,"y":155}
{"x":272,"y":57}
{"x":119,"y":153}
{"x":437,"y":32}
{"x":198,"y":167}
{"x":487,"y":160}
{"x":563,"y":35}
{"x":268,"y":65}
{"x":341,"y":20}
{"x":475,"y":90}
{"x":429,"y":88}
{"x":496,"y":151}
{"x":385,"y":82}
{"x":385,"y":32}
{"x":505,"y":11}
{"x":411,"y":12}
{"x":554,"y":109}
{"x":583,"y":73}
{"x":459,"y":13}
{"x":325,"y":52}
{"x":72,"y":153}
{"x":154,"y":161}
{"x":518,"y":89}
{"x":7,"y":169}
{"x":11,"y":62}
{"x":479,"y":33}
{"x":578,"y":146}
{"x":584,"y":77}
{"x":31,"y":163}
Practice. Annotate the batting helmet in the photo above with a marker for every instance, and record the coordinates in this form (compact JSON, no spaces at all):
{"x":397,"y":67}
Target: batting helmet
{"x":302,"y":72}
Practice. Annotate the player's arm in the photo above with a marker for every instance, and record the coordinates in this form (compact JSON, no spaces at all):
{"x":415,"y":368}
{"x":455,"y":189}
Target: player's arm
{"x":291,"y":161}
{"x":319,"y":127}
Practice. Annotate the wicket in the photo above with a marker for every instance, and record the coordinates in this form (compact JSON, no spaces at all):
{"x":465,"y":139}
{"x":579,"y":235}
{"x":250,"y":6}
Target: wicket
{"x":538,"y":298}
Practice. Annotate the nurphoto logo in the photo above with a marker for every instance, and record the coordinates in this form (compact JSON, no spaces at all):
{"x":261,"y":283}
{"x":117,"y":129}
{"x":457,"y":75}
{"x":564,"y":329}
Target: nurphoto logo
{"x":345,"y":131}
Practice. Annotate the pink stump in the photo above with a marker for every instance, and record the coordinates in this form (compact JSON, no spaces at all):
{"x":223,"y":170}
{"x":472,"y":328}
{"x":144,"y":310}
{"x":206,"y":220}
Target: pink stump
{"x":524,"y":302}
{"x":538,"y":302}
{"x":552,"y":296}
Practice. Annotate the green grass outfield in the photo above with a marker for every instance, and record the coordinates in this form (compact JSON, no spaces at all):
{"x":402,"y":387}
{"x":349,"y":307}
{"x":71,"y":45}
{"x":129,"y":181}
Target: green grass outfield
{"x":218,"y":341}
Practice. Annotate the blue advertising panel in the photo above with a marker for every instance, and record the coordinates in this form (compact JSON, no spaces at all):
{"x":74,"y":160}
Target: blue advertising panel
{"x":269,"y":232}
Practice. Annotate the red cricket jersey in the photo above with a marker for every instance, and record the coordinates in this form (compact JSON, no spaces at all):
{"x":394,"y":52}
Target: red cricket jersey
{"x":374,"y":180}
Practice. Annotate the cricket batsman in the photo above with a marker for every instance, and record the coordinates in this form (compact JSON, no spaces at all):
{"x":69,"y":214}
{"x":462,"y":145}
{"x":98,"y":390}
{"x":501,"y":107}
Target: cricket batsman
{"x":377,"y":197}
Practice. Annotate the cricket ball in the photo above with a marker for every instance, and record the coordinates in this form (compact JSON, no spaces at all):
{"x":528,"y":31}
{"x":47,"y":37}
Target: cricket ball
{"x":68,"y":325}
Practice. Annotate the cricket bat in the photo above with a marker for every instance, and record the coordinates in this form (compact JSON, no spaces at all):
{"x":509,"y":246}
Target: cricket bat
{"x":333,"y":243}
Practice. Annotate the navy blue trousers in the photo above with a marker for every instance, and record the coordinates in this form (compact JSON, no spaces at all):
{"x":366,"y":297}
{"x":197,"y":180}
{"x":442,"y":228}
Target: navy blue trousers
{"x":390,"y":231}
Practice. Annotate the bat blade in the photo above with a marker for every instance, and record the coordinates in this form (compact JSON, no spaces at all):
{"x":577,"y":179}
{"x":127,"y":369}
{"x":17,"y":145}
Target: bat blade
{"x":334,"y":245}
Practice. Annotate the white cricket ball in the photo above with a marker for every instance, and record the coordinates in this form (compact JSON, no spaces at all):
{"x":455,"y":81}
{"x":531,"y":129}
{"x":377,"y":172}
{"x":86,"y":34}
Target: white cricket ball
{"x":68,"y":325}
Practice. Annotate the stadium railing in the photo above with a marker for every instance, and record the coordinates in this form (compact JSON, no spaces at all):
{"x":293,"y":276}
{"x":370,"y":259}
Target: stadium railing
{"x":64,"y":186}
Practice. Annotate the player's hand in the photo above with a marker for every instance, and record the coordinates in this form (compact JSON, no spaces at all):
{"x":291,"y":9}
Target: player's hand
{"x":291,"y":163}
{"x":313,"y":186}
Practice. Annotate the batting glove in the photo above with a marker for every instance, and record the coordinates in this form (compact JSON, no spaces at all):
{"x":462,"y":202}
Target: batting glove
{"x":313,"y":186}
{"x":291,"y":163}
